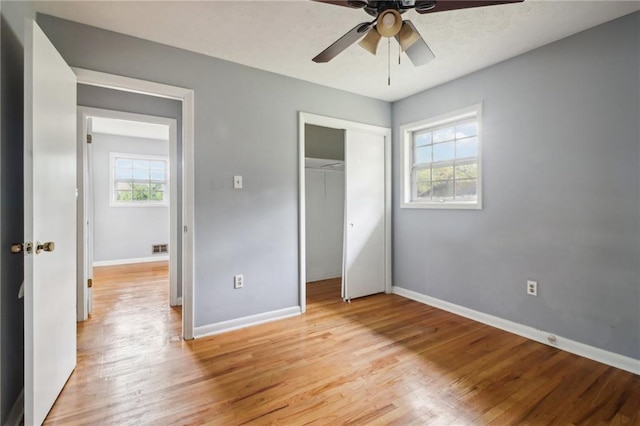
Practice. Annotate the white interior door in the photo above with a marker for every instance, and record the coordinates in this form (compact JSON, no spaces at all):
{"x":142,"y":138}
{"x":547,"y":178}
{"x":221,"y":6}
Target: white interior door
{"x":364,"y":269}
{"x":88,"y":205}
{"x":50,"y":216}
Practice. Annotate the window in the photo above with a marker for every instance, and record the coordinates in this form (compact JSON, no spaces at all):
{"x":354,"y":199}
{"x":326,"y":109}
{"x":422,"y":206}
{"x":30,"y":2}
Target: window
{"x":442,"y":161}
{"x":139,"y":180}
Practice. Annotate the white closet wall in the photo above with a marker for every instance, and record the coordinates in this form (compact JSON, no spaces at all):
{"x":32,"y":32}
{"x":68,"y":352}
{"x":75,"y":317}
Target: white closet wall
{"x":324,"y":223}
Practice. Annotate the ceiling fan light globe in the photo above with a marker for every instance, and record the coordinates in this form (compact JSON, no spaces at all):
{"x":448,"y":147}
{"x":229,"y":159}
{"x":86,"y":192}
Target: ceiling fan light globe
{"x":370,"y":41}
{"x":407,"y":37}
{"x":389,"y":23}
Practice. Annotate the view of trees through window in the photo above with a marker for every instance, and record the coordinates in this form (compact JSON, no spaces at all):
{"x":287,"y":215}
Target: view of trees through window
{"x":445,"y":162}
{"x":139,"y":180}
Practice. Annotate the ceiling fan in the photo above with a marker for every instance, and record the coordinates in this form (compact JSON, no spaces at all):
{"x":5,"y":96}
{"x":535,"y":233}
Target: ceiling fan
{"x":388,"y":22}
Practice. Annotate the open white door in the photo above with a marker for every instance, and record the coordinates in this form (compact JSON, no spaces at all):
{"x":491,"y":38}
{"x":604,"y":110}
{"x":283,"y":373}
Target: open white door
{"x":364,"y":270}
{"x":50,"y":216}
{"x":88,"y":205}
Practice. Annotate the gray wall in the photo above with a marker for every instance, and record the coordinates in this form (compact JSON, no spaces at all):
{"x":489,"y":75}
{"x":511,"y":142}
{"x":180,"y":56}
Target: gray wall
{"x":122,"y":233}
{"x":561,"y":192}
{"x":11,"y":199}
{"x":323,"y":142}
{"x":245,"y":124}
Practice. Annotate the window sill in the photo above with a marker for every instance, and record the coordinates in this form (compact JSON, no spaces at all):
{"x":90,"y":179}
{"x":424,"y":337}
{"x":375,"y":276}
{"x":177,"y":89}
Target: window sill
{"x":441,"y":206}
{"x":129,"y":205}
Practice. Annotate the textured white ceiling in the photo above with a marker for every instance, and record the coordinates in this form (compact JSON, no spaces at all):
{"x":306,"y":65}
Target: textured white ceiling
{"x":283,"y":36}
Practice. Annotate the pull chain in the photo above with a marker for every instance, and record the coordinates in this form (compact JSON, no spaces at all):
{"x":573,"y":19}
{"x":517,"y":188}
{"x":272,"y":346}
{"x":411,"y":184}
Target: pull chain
{"x":388,"y":61}
{"x":399,"y":52}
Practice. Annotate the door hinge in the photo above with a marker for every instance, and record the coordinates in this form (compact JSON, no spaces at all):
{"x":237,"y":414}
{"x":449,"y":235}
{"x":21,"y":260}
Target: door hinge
{"x":89,"y":139}
{"x":89,"y":283}
{"x":186,"y":229}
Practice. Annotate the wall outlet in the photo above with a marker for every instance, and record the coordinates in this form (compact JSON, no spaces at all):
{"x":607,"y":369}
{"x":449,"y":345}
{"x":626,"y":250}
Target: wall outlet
{"x":532,"y":288}
{"x":237,"y":182}
{"x":238,"y":281}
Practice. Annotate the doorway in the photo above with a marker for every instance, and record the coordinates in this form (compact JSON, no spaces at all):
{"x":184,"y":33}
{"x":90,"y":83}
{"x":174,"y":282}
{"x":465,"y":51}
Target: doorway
{"x":130,"y":196}
{"x":324,"y":207}
{"x":184,"y":227}
{"x":366,"y":248}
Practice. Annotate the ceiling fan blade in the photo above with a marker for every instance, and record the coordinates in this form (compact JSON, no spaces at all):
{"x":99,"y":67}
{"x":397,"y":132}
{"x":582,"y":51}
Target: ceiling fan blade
{"x":370,"y":41}
{"x":354,"y":4}
{"x":414,"y":45}
{"x":444,"y":5}
{"x":343,"y":42}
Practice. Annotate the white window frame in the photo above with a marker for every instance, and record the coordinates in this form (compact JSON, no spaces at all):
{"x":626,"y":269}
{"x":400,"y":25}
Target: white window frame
{"x":112,"y":181}
{"x":406,"y":137}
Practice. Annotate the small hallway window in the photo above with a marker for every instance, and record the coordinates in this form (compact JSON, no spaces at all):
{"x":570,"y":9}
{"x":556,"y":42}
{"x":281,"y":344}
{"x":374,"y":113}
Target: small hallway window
{"x":138,"y":180}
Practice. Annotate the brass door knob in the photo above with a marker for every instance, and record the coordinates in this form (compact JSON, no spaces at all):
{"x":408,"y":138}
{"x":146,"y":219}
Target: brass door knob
{"x":48,"y":246}
{"x":16,"y":248}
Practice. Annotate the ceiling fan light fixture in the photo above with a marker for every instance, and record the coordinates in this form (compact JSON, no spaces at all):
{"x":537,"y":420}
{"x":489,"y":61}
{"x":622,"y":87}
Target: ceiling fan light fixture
{"x":370,"y":41}
{"x":407,"y":37}
{"x":389,"y":23}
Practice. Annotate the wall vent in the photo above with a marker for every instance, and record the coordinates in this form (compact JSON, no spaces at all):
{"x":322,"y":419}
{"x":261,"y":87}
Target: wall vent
{"x":159,"y":248}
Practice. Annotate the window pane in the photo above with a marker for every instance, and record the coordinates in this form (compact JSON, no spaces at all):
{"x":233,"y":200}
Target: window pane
{"x":140,"y":191}
{"x":466,"y":148}
{"x":443,"y":189}
{"x":423,"y":190}
{"x":124,"y":196}
{"x":422,"y":175}
{"x":423,"y":139}
{"x":157,"y":175}
{"x":142,"y":174}
{"x":423,"y":155}
{"x":466,"y":171}
{"x":124,"y":186}
{"x":443,"y":151}
{"x":466,"y":188}
{"x":156,"y":187}
{"x":443,"y":135}
{"x":140,"y":164}
{"x":156,"y":196}
{"x":466,"y":129}
{"x":157,"y":165}
{"x":443,"y":173}
{"x":124,"y":163}
{"x":124,"y":173}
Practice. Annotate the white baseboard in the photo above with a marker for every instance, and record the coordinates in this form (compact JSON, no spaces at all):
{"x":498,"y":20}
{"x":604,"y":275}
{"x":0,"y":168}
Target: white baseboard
{"x":235,"y":324}
{"x":610,"y":358}
{"x":17,"y":411}
{"x":179,"y":301}
{"x":130,"y":261}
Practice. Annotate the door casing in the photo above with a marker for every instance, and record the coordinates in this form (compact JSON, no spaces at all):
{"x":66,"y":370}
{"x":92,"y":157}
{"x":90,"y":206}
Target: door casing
{"x":336,"y":123}
{"x":187,"y":98}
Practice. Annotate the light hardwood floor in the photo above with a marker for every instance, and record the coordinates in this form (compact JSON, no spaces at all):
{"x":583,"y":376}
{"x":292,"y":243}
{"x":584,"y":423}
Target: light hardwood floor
{"x":381,"y":359}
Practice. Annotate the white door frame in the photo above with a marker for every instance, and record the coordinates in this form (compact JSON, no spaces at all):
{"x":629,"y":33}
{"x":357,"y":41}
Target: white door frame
{"x":336,"y":123}
{"x":84,"y":113}
{"x":186,"y":96}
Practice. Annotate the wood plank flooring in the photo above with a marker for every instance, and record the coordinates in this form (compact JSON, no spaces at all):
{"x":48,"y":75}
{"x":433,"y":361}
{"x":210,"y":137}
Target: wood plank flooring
{"x":379,"y":360}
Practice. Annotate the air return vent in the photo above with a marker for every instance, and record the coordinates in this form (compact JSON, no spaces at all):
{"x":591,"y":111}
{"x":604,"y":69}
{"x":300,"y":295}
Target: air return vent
{"x":159,"y":248}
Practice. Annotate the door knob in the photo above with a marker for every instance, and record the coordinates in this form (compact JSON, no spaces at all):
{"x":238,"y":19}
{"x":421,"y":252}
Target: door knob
{"x":48,"y":246}
{"x":19,"y":248}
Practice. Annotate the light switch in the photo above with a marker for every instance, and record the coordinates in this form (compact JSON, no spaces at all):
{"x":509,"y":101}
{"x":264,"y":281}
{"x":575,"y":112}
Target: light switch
{"x":237,"y":182}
